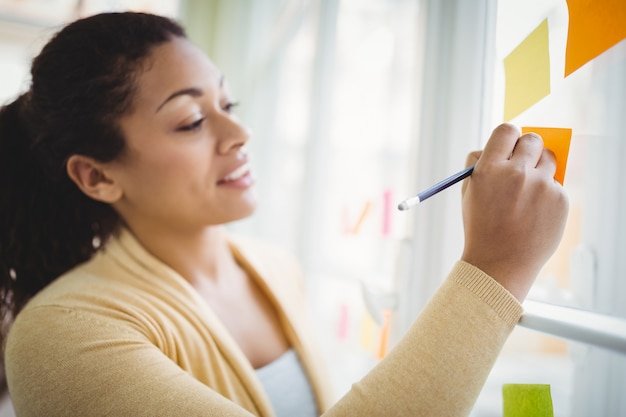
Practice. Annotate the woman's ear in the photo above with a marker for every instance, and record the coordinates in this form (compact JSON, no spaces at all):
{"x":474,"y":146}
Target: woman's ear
{"x":91,"y":177}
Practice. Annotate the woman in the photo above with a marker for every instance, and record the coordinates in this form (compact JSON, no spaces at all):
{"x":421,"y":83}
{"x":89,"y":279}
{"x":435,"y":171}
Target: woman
{"x":124,"y":294}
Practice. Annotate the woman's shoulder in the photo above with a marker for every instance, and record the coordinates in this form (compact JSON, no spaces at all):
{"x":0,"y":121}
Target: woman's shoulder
{"x":72,"y":303}
{"x":104,"y":290}
{"x":78,"y":282}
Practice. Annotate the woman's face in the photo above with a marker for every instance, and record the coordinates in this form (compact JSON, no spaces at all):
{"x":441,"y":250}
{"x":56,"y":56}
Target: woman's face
{"x":185,"y":164}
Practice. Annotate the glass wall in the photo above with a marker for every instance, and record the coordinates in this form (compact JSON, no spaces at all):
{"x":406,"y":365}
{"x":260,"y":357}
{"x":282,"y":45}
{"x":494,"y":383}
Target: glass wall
{"x":330,"y":91}
{"x":586,"y":271}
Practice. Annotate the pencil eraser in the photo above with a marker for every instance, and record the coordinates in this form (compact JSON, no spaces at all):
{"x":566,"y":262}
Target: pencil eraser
{"x":526,"y":400}
{"x":556,"y":139}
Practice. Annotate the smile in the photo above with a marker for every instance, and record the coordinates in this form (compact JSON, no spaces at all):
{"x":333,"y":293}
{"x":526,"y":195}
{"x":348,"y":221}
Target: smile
{"x":236,"y":174}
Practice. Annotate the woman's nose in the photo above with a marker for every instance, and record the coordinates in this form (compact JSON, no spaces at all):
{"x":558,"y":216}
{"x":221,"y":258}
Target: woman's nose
{"x":231,"y":134}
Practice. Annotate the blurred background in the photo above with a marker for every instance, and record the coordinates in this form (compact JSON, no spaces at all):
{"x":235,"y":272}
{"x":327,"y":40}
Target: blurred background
{"x":356,"y":105}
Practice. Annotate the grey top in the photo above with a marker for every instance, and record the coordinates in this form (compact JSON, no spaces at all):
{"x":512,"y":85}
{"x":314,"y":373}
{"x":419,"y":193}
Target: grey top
{"x":288,"y":386}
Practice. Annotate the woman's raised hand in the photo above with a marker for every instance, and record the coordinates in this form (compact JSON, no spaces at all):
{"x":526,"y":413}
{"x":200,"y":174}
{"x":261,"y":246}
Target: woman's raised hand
{"x":514,"y":212}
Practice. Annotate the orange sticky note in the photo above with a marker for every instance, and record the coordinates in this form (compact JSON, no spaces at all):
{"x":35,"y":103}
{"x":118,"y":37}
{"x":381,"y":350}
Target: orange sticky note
{"x":384,"y":336}
{"x":594,"y":27}
{"x":364,"y":212}
{"x":556,"y":139}
{"x":527,"y":73}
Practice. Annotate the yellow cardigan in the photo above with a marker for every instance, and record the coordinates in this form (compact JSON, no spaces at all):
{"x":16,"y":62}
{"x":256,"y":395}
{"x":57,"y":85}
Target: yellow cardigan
{"x":125,"y":335}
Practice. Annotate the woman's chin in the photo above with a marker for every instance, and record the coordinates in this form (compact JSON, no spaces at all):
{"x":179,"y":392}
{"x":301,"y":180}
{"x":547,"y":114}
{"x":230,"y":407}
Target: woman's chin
{"x":244,"y":210}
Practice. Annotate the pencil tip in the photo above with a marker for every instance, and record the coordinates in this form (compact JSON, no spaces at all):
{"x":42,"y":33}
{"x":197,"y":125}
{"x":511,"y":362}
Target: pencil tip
{"x":403,"y":206}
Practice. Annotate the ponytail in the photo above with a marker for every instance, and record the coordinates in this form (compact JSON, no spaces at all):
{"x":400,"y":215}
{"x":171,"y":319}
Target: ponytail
{"x":38,"y":241}
{"x":48,"y":226}
{"x":20,"y":181}
{"x":83,"y":80}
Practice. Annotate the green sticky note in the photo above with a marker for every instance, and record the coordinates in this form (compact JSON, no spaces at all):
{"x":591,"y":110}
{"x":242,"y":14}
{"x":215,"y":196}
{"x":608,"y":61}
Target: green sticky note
{"x":527,"y":400}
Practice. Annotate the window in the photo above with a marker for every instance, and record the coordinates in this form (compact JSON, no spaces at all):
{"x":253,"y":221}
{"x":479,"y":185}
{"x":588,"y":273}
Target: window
{"x":588,"y":268}
{"x":335,"y":131}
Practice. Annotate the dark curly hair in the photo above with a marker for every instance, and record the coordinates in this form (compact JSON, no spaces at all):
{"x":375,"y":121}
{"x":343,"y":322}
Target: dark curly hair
{"x":83,"y":80}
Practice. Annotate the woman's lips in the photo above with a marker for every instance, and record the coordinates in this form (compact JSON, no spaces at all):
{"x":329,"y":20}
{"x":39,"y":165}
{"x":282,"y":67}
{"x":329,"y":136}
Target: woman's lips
{"x":240,"y":176}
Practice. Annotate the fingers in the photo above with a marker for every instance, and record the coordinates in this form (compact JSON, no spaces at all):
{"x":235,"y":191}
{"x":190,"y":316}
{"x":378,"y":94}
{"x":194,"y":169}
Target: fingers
{"x":547,"y":163}
{"x":528,"y":150}
{"x":501,"y":143}
{"x":472,"y":158}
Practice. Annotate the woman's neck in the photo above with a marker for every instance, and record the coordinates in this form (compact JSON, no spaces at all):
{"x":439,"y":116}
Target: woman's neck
{"x":196,"y":256}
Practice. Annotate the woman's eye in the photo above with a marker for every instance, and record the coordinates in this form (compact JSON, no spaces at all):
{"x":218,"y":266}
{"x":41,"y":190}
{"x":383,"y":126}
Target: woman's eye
{"x":192,"y":126}
{"x":230,"y":105}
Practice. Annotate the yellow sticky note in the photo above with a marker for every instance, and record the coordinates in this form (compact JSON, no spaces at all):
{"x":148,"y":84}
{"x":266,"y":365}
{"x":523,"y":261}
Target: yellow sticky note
{"x":594,"y":26}
{"x":366,"y":333}
{"x":526,"y":400}
{"x":556,"y":139}
{"x":527,"y":73}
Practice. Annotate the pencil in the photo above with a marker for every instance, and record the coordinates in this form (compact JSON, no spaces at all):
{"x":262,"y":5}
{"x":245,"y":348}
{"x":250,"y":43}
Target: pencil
{"x":440,"y":186}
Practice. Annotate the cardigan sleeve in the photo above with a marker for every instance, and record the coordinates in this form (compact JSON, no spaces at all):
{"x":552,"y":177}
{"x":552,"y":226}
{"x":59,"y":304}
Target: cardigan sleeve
{"x":102,"y":369}
{"x":441,"y":364}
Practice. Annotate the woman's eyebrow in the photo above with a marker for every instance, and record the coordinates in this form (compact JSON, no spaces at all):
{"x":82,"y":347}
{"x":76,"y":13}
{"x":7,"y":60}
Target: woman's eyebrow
{"x":194,"y":92}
